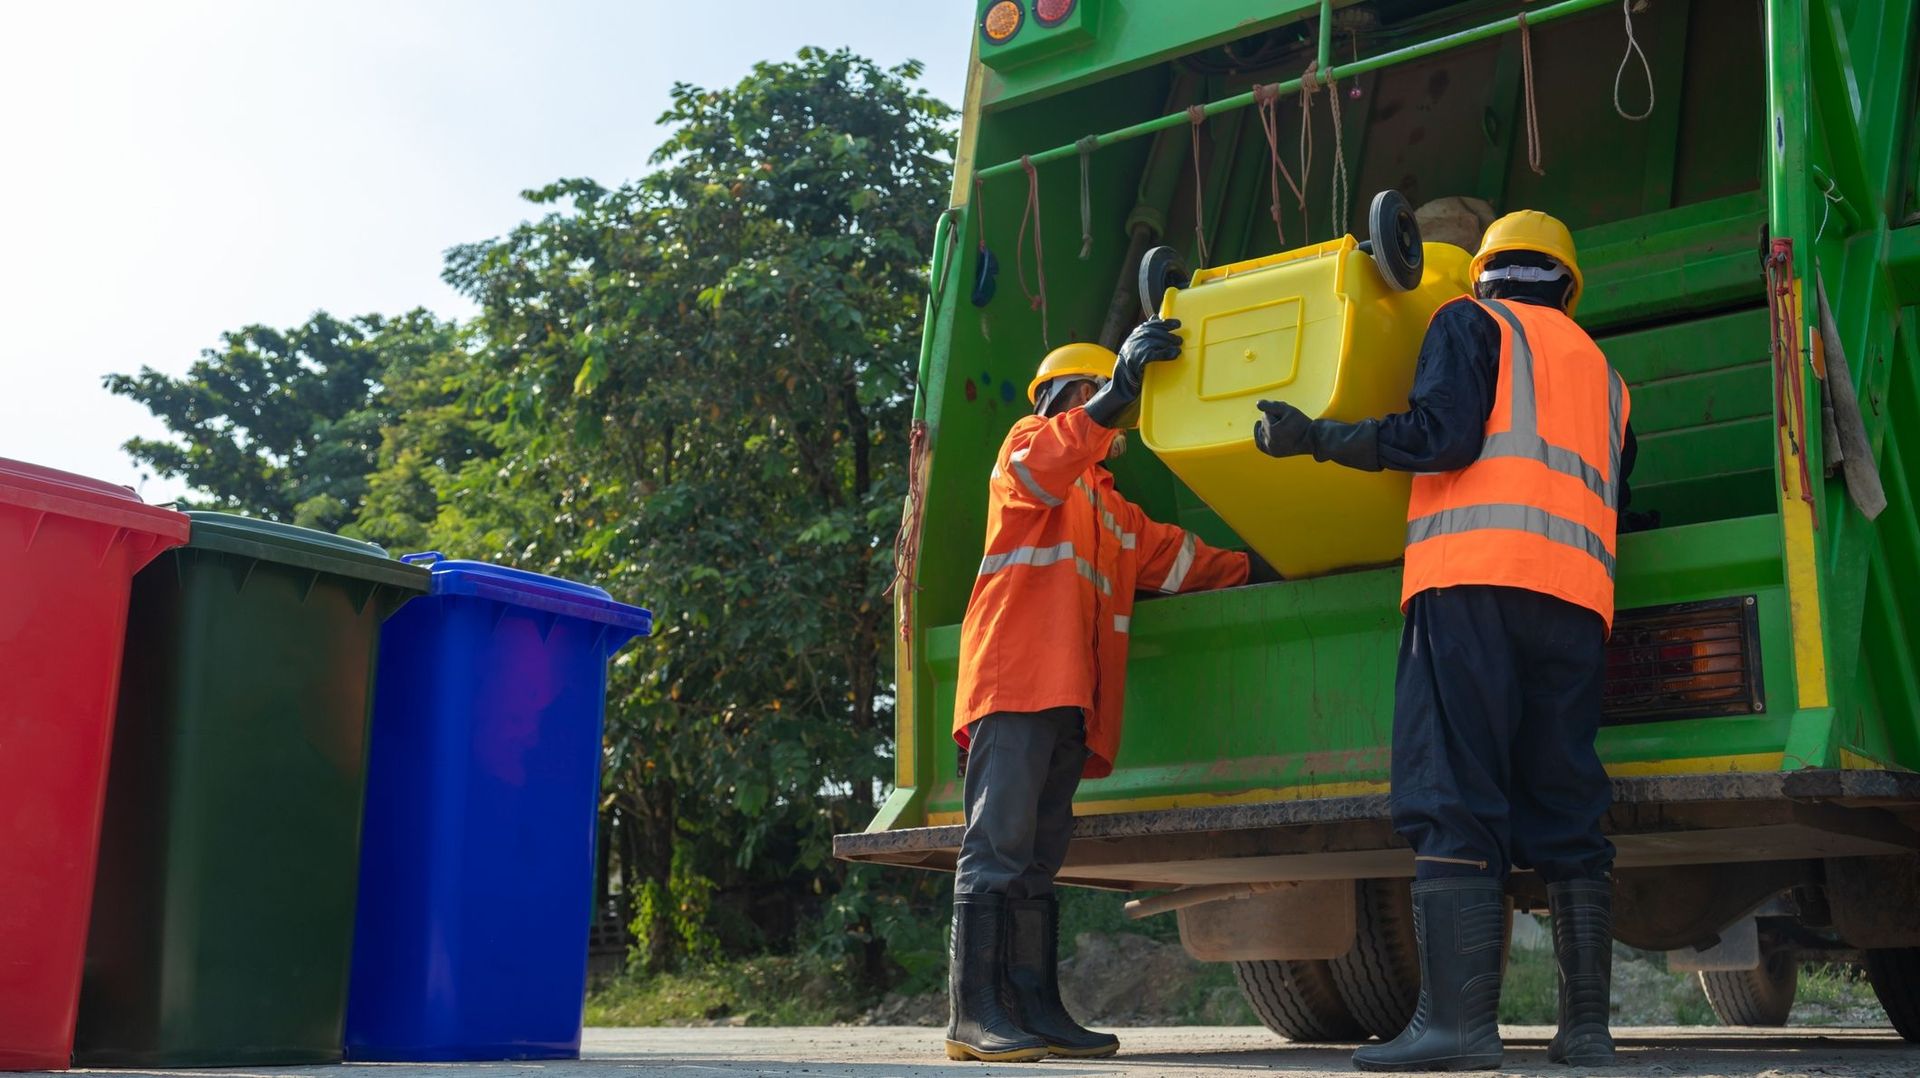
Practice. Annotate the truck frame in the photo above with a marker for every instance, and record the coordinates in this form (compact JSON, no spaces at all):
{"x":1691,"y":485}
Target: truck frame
{"x":1751,"y":247}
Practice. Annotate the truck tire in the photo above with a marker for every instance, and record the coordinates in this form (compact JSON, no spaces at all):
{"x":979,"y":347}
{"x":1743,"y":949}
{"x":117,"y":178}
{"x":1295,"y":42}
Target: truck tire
{"x":1894,"y":973}
{"x":1298,"y":1000}
{"x":1753,"y":997}
{"x":1380,"y":978}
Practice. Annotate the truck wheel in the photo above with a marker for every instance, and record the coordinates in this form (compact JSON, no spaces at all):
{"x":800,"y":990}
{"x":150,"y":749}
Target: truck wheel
{"x":1380,"y":978}
{"x":1753,"y":997}
{"x":1298,"y":1000}
{"x":1894,"y":973}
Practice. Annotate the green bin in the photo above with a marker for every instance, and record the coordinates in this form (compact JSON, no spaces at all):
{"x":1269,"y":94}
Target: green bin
{"x":222,"y":926}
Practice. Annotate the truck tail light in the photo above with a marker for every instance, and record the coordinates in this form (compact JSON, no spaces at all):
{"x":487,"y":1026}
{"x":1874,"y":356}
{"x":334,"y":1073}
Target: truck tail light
{"x":1052,"y":12}
{"x":1684,"y":661}
{"x":1003,"y":20}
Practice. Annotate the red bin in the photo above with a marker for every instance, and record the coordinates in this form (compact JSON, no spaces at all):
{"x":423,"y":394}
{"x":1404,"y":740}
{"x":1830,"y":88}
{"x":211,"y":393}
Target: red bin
{"x":69,"y":547}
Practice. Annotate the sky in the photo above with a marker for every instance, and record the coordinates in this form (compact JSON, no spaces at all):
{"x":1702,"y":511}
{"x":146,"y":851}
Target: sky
{"x":169,"y":171}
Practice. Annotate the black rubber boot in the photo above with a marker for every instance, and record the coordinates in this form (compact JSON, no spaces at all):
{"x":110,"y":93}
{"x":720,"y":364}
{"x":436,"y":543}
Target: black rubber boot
{"x":1583,"y":946}
{"x":1459,"y":927}
{"x":1033,"y":955}
{"x":982,"y":1027}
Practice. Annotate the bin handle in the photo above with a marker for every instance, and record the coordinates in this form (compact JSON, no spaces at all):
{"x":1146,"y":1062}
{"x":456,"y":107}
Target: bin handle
{"x":428,"y":557}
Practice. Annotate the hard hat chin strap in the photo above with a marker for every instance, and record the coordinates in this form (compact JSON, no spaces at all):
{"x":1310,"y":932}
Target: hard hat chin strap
{"x":1526,"y":274}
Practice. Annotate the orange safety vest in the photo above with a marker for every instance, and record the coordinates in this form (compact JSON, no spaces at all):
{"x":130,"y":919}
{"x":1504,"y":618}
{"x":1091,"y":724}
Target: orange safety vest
{"x":1538,"y":509}
{"x":1048,"y":623}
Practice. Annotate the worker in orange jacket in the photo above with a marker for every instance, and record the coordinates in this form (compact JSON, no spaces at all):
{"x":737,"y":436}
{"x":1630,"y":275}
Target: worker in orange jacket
{"x":1519,"y":440}
{"x":1043,"y":657}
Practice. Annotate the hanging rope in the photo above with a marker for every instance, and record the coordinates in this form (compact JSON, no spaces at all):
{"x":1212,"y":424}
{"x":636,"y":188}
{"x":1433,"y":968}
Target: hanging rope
{"x":1309,"y":84}
{"x":1038,"y":301}
{"x":906,"y":545}
{"x":1197,"y":115}
{"x":1342,"y":189}
{"x":1266,"y":100}
{"x":1086,"y":146}
{"x":1633,"y":46}
{"x":1533,"y":112}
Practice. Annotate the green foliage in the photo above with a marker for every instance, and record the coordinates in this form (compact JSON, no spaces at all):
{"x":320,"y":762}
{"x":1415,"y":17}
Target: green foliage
{"x":767,"y":991}
{"x":284,"y":424}
{"x":684,"y":907}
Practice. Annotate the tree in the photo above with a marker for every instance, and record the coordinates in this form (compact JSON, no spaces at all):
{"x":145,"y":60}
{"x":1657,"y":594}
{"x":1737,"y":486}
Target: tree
{"x":708,"y":374}
{"x":283,"y":424}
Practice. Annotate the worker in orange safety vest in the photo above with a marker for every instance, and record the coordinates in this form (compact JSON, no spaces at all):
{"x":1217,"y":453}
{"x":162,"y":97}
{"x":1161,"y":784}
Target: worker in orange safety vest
{"x":1518,"y":436}
{"x":1043,"y":656}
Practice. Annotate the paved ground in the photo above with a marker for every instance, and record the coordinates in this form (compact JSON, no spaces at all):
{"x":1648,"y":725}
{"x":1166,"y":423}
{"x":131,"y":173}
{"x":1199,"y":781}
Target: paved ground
{"x":880,"y":1052}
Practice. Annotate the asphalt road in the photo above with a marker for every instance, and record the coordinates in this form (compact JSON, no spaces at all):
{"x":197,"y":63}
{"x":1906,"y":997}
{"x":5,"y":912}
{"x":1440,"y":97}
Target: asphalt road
{"x":891,"y":1052}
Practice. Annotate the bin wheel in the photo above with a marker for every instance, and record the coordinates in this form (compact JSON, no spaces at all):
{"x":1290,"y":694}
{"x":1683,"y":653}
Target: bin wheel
{"x":1393,"y":237}
{"x":1160,"y":269}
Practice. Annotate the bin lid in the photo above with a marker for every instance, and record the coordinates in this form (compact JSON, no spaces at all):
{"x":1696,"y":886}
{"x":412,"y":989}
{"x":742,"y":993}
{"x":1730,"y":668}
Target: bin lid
{"x":536,"y":591}
{"x":307,"y":548}
{"x":50,"y":490}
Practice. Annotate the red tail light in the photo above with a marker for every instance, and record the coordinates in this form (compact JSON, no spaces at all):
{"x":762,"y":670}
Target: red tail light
{"x":1052,"y":12}
{"x":1688,"y":660}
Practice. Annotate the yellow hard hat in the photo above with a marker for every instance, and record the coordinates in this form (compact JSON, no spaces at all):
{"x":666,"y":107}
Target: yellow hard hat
{"x":1080,"y":359}
{"x":1530,"y":230}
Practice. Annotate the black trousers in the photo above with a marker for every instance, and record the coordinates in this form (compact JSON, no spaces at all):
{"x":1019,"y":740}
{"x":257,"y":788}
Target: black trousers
{"x":1022,"y":770}
{"x":1495,"y":710}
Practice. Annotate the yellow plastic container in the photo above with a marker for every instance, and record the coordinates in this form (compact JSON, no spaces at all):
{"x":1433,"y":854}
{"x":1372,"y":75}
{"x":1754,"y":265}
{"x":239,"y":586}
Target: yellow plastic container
{"x":1317,"y":327}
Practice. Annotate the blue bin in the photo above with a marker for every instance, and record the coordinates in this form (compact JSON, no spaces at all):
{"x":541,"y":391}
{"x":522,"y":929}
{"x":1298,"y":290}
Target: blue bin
{"x":476,"y":874}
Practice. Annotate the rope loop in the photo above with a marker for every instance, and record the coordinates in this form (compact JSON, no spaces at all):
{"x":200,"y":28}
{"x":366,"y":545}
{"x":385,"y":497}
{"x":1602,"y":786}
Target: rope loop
{"x":1533,"y":113}
{"x":1266,"y":97}
{"x":1197,"y":115}
{"x":1035,"y":300}
{"x":1341,"y":189}
{"x":1086,"y":146}
{"x":1633,"y":46}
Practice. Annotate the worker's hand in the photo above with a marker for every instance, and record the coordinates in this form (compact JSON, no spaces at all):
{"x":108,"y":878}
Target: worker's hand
{"x":1283,"y":430}
{"x":1152,"y":341}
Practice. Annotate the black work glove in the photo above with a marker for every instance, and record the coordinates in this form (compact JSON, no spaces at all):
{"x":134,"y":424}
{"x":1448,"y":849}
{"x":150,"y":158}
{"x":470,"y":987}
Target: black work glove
{"x":1285,"y":431}
{"x":1152,"y":341}
{"x":1282,"y":430}
{"x":1356,"y":445}
{"x":1259,"y":571}
{"x":1631,"y":521}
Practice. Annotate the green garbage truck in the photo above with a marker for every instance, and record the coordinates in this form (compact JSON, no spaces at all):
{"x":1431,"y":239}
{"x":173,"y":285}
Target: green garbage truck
{"x":1743,"y":181}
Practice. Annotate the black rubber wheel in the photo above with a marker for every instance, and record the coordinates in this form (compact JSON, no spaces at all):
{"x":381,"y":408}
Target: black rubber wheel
{"x":1754,"y":997}
{"x":1894,"y":973}
{"x":1298,"y":1000}
{"x":1393,"y":236}
{"x":1380,"y":978}
{"x":1160,"y":268}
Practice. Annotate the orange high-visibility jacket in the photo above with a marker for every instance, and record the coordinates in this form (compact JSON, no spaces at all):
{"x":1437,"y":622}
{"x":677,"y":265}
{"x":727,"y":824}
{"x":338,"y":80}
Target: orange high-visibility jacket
{"x":1047,"y":624}
{"x":1538,"y":509}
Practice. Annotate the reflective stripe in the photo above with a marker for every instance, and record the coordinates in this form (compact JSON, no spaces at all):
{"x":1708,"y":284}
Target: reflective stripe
{"x":1026,"y":555}
{"x":1122,"y":623}
{"x":1522,"y":518}
{"x":1565,"y":461}
{"x":1046,"y":555}
{"x":1128,"y":540}
{"x":1099,"y":579}
{"x":1522,"y":438}
{"x":1521,"y":401}
{"x":1020,"y":471}
{"x":1616,"y":428}
{"x":1182,"y":562}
